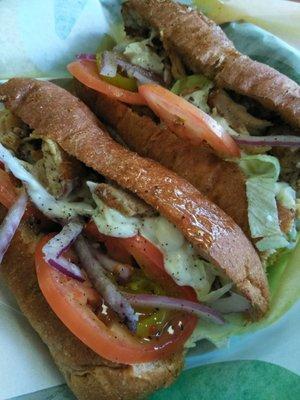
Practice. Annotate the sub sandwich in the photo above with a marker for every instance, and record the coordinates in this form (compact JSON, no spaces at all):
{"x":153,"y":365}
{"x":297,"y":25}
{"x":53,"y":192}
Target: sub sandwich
{"x":113,"y":258}
{"x":226,"y":123}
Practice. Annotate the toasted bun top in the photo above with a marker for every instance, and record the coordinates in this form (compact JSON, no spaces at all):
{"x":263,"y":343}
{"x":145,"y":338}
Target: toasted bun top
{"x":204,"y":48}
{"x":55,"y":113}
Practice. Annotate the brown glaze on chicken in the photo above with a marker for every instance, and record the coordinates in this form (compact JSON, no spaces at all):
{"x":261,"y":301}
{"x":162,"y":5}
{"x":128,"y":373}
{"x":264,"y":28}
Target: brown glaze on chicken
{"x":56,"y":114}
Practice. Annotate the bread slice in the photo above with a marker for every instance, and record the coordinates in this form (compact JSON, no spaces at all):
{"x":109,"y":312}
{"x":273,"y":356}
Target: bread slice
{"x":204,"y":48}
{"x":88,"y":375}
{"x":56,"y":114}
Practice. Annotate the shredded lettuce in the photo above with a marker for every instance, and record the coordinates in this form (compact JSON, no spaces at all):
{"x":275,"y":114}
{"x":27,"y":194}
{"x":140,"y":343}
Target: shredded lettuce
{"x":262,"y":172}
{"x":262,"y":166}
{"x":190,"y":84}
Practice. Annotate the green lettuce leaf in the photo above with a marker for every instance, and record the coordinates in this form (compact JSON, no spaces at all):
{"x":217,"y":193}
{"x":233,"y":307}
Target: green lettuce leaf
{"x":262,"y":207}
{"x":195,"y":89}
{"x":190,"y":83}
{"x":260,"y":165}
{"x":262,"y":172}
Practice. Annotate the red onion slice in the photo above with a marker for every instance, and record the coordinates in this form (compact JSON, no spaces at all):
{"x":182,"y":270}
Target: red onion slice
{"x":86,"y":56}
{"x":63,"y":240}
{"x":172,"y":303}
{"x":58,"y":244}
{"x":103,"y":284}
{"x":274,"y":141}
{"x":124,"y":271}
{"x":10,"y":224}
{"x":111,"y":60}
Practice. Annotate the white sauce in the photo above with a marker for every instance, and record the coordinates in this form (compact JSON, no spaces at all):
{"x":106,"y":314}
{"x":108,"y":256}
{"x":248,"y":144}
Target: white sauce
{"x":181,"y":260}
{"x":112,"y":223}
{"x":38,"y":194}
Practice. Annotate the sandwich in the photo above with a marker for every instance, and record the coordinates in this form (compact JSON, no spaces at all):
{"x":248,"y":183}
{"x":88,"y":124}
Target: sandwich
{"x":113,"y":258}
{"x":227,"y":124}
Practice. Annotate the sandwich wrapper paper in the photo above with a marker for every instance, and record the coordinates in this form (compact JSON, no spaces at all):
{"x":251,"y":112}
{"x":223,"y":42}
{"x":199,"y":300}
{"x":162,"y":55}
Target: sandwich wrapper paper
{"x":37,"y":39}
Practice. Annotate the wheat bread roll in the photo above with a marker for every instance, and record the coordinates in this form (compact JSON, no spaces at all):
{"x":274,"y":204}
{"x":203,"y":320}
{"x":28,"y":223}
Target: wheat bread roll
{"x":204,"y":48}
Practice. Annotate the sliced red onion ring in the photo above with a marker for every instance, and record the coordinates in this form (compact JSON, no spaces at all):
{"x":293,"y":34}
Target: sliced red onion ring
{"x":274,"y":141}
{"x":172,"y":303}
{"x":233,"y":304}
{"x":111,"y":60}
{"x":86,"y":56}
{"x":10,"y":224}
{"x":67,"y":268}
{"x":58,"y":244}
{"x":103,"y":284}
{"x":63,"y":241}
{"x":123,"y":271}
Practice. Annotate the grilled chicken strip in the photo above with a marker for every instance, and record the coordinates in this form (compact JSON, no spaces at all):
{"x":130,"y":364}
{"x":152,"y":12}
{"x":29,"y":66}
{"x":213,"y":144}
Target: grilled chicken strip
{"x":58,"y":172}
{"x":124,"y":202}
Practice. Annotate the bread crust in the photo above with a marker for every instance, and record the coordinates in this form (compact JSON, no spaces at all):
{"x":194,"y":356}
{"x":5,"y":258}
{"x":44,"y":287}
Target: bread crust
{"x":88,"y":375}
{"x":58,"y":115}
{"x":205,"y":49}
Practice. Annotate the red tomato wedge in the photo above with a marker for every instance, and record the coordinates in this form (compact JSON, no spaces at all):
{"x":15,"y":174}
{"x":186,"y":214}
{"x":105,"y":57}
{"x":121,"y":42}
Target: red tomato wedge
{"x":188,"y":121}
{"x":71,"y":301}
{"x":87,"y":73}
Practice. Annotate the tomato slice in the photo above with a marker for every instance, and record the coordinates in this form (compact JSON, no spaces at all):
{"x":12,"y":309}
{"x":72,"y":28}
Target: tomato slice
{"x":114,"y":247}
{"x":87,"y":73}
{"x":188,"y":121}
{"x":70,"y":300}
